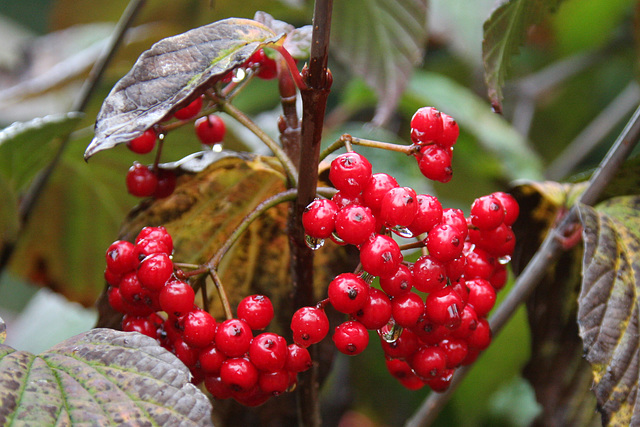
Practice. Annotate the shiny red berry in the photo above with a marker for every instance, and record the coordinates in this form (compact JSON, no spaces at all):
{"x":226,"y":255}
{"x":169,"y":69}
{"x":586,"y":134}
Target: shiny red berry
{"x":376,"y":189}
{"x":233,"y":337}
{"x":210,"y":129}
{"x":355,"y":224}
{"x":190,"y":111}
{"x":376,"y":312}
{"x":121,"y":257}
{"x":268,"y":352}
{"x":450,"y":131}
{"x":350,"y":173}
{"x":400,"y":283}
{"x":298,"y":358}
{"x":141,"y":181}
{"x":199,"y":328}
{"x":144,"y":143}
{"x":435,"y":163}
{"x":348,"y":292}
{"x":487,"y":212}
{"x":351,"y":338}
{"x":318,"y":218}
{"x":426,"y":125}
{"x":399,"y":207}
{"x":429,"y":362}
{"x":407,"y":309}
{"x":155,"y":270}
{"x":428,"y":215}
{"x":380,"y":256}
{"x":177,"y":297}
{"x":309,"y":325}
{"x":445,"y":242}
{"x":239,"y":374}
{"x":256,"y":310}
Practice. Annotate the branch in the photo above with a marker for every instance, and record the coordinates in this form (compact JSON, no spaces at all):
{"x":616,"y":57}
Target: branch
{"x":549,"y":251}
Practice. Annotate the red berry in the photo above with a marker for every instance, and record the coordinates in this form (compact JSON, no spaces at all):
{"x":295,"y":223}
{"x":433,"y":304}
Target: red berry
{"x":115,"y":300}
{"x":355,"y":224}
{"x":343,"y":201}
{"x":380,"y":256}
{"x":479,"y":264}
{"x":376,"y":312}
{"x":131,"y":288}
{"x":156,"y":233}
{"x":429,"y":362}
{"x":487,"y":212}
{"x":444,"y":307}
{"x":376,"y":189}
{"x":426,"y":125}
{"x":210,"y":129}
{"x":351,"y":338}
{"x":403,"y":347}
{"x":146,"y":247}
{"x":445,"y":242}
{"x":211,"y":360}
{"x":298,"y":359}
{"x":450,"y":131}
{"x":139,"y":324}
{"x":480,"y":337}
{"x":498,"y":242}
{"x":400,"y":283}
{"x":403,"y":373}
{"x":166,"y":183}
{"x":348,"y":292}
{"x":435,"y":163}
{"x":429,"y":332}
{"x":154,"y":271}
{"x":256,"y":310}
{"x":482,"y":296}
{"x":144,"y":143}
{"x":441,"y":383}
{"x":429,"y":274}
{"x":499,"y":277}
{"x":190,"y":111}
{"x":350,"y":173}
{"x":233,"y":337}
{"x":456,"y":219}
{"x":199,"y":328}
{"x":268,"y":352}
{"x":239,"y":374}
{"x":218,"y":388}
{"x":274,"y":383}
{"x":468,"y":323}
{"x":141,"y":182}
{"x":252,"y":397}
{"x":455,"y":349}
{"x":399,"y":206}
{"x":267,"y":68}
{"x":121,"y":257}
{"x":428,"y":215}
{"x":510,"y":205}
{"x":318,"y":218}
{"x":177,"y":297}
{"x":455,"y":268}
{"x":407,"y":309}
{"x":309,"y":325}
{"x":187,"y":354}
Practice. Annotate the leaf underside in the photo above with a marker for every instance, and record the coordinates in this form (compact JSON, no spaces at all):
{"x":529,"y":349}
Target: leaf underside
{"x":608,"y":306}
{"x":381,"y":41}
{"x":170,"y":74}
{"x":504,"y":32}
{"x":102,"y":377}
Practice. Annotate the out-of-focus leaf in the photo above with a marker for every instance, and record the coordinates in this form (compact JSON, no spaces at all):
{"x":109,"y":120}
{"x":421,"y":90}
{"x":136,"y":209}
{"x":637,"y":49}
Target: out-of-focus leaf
{"x":3,"y":331}
{"x":608,"y":305}
{"x":381,"y":41}
{"x":101,"y":377}
{"x":556,"y":369}
{"x":504,"y":33}
{"x":25,"y":148}
{"x":473,"y":114}
{"x":171,"y":74}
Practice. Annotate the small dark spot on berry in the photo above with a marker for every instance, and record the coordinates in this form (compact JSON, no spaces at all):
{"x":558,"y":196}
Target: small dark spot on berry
{"x":305,"y":337}
{"x":236,"y":331}
{"x":352,"y":294}
{"x":404,"y":285}
{"x":433,"y":373}
{"x":269,"y":343}
{"x":386,"y":256}
{"x":351,"y":348}
{"x":494,"y":206}
{"x":455,"y":241}
{"x":358,"y":217}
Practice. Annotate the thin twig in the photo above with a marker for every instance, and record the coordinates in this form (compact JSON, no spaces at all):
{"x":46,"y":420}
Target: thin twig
{"x":549,"y":251}
{"x":222,"y":294}
{"x":348,"y":139}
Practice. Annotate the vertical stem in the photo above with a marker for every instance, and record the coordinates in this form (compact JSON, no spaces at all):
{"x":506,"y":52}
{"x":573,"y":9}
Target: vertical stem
{"x":314,"y":102}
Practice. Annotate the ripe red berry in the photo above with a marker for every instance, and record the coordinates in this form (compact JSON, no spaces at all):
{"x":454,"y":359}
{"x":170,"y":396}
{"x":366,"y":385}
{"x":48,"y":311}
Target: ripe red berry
{"x":499,"y":277}
{"x":376,"y":312}
{"x":139,"y":324}
{"x":146,"y":247}
{"x":482,"y":296}
{"x":355,"y":224}
{"x":156,"y":233}
{"x":428,"y":215}
{"x":268,"y":352}
{"x":256,"y":310}
{"x":468,"y":323}
{"x":441,"y":383}
{"x":267,"y":68}
{"x":233,"y":337}
{"x":444,"y":307}
{"x":154,"y":271}
{"x":429,"y":362}
{"x":403,"y":373}
{"x":318,"y":218}
{"x":403,"y":347}
{"x":498,"y":242}
{"x":239,"y":374}
{"x":274,"y":383}
{"x":455,"y":349}
{"x":407,"y":309}
{"x":210,"y":129}
{"x":187,"y":354}
{"x":478,"y":263}
{"x":429,"y":274}
{"x":487,"y":212}
{"x":211,"y":359}
{"x":144,"y":143}
{"x":445,"y":242}
{"x":435,"y":163}
{"x":190,"y":111}
{"x":298,"y":359}
{"x":455,"y":218}
{"x":350,"y":173}
{"x":380,"y":256}
{"x":199,"y":328}
{"x":309,"y":325}
{"x":450,"y":131}
{"x":131,"y":288}
{"x":166,"y":183}
{"x":342,"y":201}
{"x":141,"y":181}
{"x":348,"y":292}
{"x":121,"y":257}
{"x":115,"y":300}
{"x":218,"y":388}
{"x":480,"y":337}
{"x":400,"y":283}
{"x":176,"y":297}
{"x":455,"y":267}
{"x":511,"y":208}
{"x":399,"y":207}
{"x":426,"y":125}
{"x":351,"y":338}
{"x":376,"y":189}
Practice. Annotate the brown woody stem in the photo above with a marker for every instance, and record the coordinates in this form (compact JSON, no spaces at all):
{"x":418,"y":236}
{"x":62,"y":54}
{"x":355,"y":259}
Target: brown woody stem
{"x":348,"y":139}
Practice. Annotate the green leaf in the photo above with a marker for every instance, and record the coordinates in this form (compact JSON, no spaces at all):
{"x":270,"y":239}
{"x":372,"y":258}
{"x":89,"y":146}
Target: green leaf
{"x":608,"y":305}
{"x":172,"y":73}
{"x":101,"y":377}
{"x":27,"y":147}
{"x":381,"y":41}
{"x":475,"y":116}
{"x":504,"y":32}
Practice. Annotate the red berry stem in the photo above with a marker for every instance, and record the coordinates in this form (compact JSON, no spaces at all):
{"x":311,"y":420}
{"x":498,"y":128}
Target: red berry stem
{"x":348,"y":139}
{"x":291,"y":65}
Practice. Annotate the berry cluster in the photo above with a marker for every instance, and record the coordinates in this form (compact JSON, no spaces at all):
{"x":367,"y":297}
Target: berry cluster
{"x":435,"y":133}
{"x":145,"y":287}
{"x":429,"y":314}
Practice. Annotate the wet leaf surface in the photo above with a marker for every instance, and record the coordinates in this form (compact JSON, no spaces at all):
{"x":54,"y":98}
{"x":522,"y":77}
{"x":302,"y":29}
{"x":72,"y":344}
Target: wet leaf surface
{"x":170,"y":74}
{"x":608,"y":305}
{"x":101,"y":377}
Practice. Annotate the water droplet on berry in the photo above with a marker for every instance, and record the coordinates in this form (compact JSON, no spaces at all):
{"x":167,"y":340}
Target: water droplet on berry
{"x":336,"y":238}
{"x":313,"y":243}
{"x":239,"y":75}
{"x":504,"y":259}
{"x":217,"y":148}
{"x":391,"y":332}
{"x":402,"y":231}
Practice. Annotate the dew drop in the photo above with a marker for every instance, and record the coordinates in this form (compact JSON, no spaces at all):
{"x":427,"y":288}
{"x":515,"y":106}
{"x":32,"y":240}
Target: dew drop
{"x":402,"y":231}
{"x":390,"y":332}
{"x":336,"y":238}
{"x":313,"y":243}
{"x":504,"y":259}
{"x":217,"y":148}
